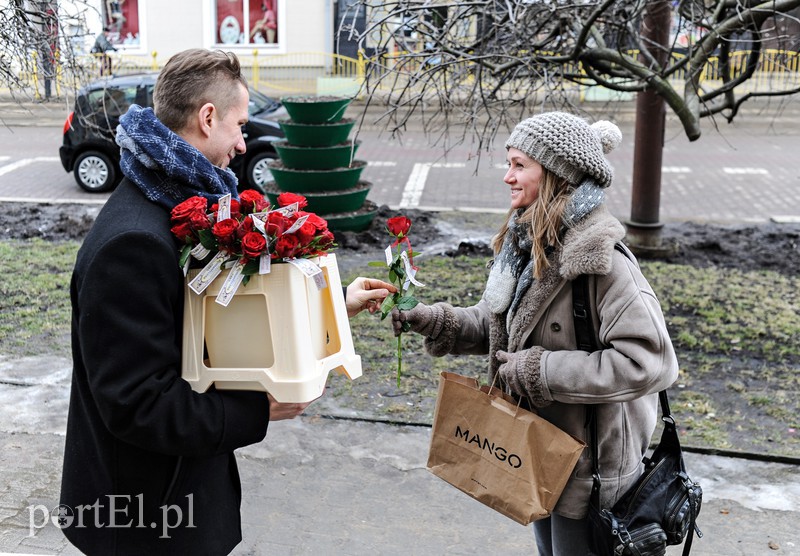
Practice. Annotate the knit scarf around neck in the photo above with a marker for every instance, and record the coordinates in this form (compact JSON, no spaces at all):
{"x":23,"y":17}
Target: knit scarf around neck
{"x":164,"y":166}
{"x":512,"y":272}
{"x":509,"y":264}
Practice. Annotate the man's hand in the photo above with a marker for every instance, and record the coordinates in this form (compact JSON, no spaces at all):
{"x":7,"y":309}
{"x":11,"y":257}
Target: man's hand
{"x":279,"y":411}
{"x":366,"y":293}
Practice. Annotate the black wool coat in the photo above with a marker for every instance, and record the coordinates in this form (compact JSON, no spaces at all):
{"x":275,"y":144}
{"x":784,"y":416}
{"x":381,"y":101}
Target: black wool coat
{"x":149,"y":466}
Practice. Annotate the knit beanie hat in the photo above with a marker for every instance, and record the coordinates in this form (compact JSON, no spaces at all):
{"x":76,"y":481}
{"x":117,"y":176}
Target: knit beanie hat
{"x":568,"y":146}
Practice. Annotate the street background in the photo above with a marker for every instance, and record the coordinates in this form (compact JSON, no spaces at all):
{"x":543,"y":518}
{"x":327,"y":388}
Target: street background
{"x":741,"y":172}
{"x":338,"y":486}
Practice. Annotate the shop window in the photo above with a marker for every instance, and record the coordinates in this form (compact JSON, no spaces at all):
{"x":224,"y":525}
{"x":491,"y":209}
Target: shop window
{"x":247,"y":22}
{"x":122,"y":19}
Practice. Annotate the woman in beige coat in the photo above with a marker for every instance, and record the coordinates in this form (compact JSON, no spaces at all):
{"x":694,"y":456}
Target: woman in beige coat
{"x":557,"y":229}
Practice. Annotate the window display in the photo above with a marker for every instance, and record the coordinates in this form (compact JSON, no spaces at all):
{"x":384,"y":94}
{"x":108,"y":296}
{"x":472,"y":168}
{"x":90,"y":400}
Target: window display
{"x":122,"y":20}
{"x":247,"y":22}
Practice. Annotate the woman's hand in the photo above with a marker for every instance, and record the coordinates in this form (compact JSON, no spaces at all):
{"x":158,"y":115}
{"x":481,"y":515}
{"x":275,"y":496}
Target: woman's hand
{"x":366,"y":293}
{"x":521,"y":371}
{"x":420,"y":319}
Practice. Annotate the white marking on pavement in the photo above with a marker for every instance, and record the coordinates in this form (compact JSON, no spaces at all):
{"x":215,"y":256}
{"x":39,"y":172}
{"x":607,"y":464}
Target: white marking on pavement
{"x":448,"y":164}
{"x":381,"y":163}
{"x":4,"y":158}
{"x":432,"y":208}
{"x":25,"y":162}
{"x":53,"y":201}
{"x":789,"y":219}
{"x":415,"y":185}
{"x":745,"y":170}
{"x":676,"y":170}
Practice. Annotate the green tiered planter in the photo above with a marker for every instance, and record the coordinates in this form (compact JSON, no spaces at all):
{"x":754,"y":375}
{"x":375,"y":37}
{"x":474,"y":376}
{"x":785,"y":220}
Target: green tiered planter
{"x":300,"y":181}
{"x":328,"y":202}
{"x":315,"y":110}
{"x":317,"y":161}
{"x":316,"y":135}
{"x":321,"y":158}
{"x":355,"y":221}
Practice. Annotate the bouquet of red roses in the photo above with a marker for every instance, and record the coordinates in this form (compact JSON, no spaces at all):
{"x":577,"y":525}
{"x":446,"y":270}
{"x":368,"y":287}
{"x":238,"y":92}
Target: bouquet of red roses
{"x":247,"y":234}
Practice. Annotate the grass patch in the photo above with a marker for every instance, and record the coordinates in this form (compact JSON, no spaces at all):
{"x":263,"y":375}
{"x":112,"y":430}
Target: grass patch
{"x":34,"y":296}
{"x":727,"y":311}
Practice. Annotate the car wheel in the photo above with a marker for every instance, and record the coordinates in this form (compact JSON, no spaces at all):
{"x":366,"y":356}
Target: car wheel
{"x":258,"y":172}
{"x":95,"y":172}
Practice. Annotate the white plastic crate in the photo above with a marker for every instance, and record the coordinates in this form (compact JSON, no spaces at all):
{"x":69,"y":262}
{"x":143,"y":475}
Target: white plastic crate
{"x":279,"y":334}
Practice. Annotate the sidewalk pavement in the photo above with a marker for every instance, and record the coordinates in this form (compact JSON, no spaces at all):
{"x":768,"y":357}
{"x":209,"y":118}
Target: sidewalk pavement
{"x":344,"y":486}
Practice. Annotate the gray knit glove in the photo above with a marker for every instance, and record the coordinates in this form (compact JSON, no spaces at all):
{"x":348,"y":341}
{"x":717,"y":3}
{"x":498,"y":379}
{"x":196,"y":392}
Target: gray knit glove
{"x":521,"y":371}
{"x":422,"y":319}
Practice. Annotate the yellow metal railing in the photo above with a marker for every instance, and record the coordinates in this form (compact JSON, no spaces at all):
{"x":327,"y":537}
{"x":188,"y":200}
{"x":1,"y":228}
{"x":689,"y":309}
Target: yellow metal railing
{"x":326,"y":73}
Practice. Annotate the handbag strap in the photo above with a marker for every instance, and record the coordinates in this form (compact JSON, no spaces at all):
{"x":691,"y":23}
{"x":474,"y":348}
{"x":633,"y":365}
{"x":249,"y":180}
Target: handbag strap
{"x":585,"y":339}
{"x":584,"y":335}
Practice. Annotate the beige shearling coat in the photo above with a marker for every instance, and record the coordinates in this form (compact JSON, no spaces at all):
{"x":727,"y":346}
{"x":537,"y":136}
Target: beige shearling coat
{"x":636,"y":359}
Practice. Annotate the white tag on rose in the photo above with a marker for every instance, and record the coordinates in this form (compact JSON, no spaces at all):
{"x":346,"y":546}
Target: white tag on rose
{"x":265,"y":264}
{"x":231,"y":284}
{"x":288,"y":210}
{"x":310,"y":270}
{"x":224,"y":207}
{"x":410,"y":272}
{"x":258,"y":222}
{"x":200,"y":282}
{"x":297,"y":224}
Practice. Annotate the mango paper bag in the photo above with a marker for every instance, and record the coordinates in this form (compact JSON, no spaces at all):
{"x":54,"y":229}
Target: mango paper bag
{"x":508,"y":458}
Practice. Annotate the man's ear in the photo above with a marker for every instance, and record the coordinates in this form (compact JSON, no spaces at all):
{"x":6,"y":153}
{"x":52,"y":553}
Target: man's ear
{"x":205,"y":118}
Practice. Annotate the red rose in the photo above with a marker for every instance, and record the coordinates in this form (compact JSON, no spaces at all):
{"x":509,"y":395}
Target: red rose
{"x":286,"y":199}
{"x":326,"y":241}
{"x":398,"y":226}
{"x":183,"y":231}
{"x":252,"y":201}
{"x":245,"y":226}
{"x":183,"y":211}
{"x":306,"y":233}
{"x":253,"y":245}
{"x":315,"y":220}
{"x":225,"y":231}
{"x":235,"y":209}
{"x":276,"y":223}
{"x":199,"y":221}
{"x":286,"y":246}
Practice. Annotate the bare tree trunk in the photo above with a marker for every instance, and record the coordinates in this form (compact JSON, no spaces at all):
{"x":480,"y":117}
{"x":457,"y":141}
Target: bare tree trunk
{"x":644,"y":226}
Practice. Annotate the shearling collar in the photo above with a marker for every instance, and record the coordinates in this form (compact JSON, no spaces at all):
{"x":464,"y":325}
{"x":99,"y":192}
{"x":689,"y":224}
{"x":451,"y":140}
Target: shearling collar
{"x":586,"y":249}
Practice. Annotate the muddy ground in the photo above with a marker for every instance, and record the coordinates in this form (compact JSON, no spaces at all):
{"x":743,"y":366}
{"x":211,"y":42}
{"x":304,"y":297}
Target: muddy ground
{"x":746,"y":247}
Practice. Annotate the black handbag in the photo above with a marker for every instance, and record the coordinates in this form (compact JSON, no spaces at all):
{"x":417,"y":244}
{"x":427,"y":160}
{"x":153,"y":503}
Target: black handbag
{"x":660,"y":509}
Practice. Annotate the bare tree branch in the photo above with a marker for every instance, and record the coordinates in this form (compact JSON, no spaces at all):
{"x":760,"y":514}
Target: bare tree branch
{"x":478,"y":65}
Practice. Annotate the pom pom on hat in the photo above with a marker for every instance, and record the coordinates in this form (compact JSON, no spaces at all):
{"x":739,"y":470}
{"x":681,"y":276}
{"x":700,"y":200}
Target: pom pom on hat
{"x":568,"y":146}
{"x":609,"y":134}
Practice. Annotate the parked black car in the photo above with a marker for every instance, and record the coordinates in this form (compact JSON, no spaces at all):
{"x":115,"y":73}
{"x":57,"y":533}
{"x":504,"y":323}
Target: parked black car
{"x":89,"y":151}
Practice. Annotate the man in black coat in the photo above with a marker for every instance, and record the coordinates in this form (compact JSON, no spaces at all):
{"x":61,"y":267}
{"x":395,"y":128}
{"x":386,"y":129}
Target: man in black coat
{"x":149,"y":466}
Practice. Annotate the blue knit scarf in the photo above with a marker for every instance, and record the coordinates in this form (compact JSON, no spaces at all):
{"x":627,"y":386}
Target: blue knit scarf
{"x":164,"y":166}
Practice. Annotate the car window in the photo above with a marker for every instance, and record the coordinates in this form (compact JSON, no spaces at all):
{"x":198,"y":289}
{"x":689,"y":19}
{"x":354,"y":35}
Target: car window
{"x":112,"y":101}
{"x":261,"y":103}
{"x":146,"y":95}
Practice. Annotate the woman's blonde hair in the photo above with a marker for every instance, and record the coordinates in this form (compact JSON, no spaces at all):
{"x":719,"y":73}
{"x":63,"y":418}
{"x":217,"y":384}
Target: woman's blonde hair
{"x":542,"y":219}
